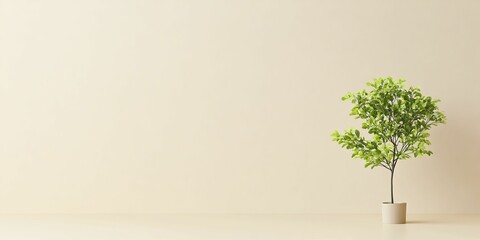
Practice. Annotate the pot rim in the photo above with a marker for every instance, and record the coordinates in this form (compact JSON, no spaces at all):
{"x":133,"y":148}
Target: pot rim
{"x":397,"y":203}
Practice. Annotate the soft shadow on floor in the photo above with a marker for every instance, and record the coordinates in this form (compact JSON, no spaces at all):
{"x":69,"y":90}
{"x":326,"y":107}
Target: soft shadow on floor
{"x":421,"y":222}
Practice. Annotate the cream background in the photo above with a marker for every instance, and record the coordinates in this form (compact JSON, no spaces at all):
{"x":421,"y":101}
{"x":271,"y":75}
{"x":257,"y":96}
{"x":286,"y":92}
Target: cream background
{"x":226,"y":106}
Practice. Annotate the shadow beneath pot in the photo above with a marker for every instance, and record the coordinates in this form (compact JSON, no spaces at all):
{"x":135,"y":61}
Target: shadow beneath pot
{"x":420,"y":222}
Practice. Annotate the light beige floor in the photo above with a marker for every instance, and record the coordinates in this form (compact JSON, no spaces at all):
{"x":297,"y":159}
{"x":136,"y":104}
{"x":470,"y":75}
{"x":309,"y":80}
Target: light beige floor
{"x":278,"y":227}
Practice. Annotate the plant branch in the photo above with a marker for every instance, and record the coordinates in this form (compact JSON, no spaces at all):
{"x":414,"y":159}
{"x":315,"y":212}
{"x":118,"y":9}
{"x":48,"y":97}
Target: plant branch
{"x":386,"y":166}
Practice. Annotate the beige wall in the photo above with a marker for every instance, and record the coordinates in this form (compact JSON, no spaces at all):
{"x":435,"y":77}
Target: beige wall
{"x":226,"y":106}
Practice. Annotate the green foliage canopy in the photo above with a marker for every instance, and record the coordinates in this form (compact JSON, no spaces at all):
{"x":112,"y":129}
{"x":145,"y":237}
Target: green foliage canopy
{"x":397,"y":118}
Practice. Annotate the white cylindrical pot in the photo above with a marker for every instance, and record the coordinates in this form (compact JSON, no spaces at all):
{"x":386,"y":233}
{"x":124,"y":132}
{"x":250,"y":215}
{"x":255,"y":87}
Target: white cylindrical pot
{"x":394,"y":213}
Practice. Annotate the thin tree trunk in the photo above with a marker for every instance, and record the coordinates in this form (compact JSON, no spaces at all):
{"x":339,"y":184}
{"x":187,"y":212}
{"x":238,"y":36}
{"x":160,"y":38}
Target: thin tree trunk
{"x":391,"y":186}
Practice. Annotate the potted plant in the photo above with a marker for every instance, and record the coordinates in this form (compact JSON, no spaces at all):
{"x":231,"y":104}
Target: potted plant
{"x":397,"y":119}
